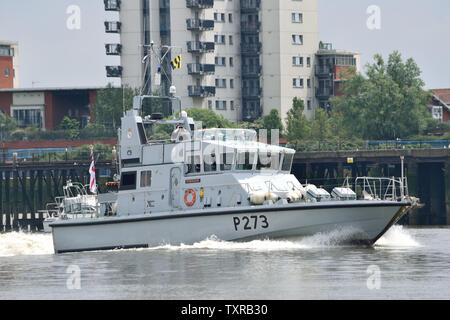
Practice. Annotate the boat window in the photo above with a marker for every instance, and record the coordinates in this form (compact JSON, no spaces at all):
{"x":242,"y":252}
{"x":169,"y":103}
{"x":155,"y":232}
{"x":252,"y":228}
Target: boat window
{"x":287,"y":162}
{"x":210,"y":162}
{"x":245,"y":160}
{"x":264,"y":160}
{"x":268,"y":161}
{"x":128,"y":180}
{"x":146,"y":179}
{"x":226,"y":161}
{"x":193,"y":166}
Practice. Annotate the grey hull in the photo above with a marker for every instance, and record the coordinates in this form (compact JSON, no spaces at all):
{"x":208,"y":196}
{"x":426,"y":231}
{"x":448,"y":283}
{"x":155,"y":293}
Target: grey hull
{"x":370,"y":220}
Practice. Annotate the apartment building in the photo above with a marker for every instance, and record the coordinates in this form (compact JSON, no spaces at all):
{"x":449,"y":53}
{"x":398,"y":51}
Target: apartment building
{"x":240,"y":58}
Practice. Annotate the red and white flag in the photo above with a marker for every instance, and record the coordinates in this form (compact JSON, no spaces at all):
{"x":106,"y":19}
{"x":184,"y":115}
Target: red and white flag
{"x":92,"y":184}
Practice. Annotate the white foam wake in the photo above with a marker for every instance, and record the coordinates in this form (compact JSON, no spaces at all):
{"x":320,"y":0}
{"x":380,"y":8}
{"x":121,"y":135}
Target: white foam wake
{"x":21,"y":243}
{"x":397,"y":236}
{"x":321,"y":240}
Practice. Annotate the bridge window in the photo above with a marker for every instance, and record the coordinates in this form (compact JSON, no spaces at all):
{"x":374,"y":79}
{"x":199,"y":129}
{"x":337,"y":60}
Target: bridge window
{"x":268,"y":161}
{"x":193,"y":165}
{"x":128,"y":180}
{"x":287,"y":162}
{"x":245,"y":160}
{"x":210,"y":162}
{"x":226,"y":161}
{"x":146,"y":179}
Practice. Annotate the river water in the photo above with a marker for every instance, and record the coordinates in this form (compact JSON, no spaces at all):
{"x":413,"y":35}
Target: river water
{"x":406,"y":263}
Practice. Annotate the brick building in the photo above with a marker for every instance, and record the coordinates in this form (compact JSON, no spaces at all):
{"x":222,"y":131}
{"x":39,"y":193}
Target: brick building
{"x":330,"y":66}
{"x":440,"y":105}
{"x":46,"y":107}
{"x":9,"y":64}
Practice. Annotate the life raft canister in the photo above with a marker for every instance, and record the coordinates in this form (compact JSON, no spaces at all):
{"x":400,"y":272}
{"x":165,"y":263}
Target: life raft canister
{"x":186,"y":196}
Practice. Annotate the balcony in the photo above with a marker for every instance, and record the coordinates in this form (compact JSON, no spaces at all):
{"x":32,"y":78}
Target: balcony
{"x":251,"y":71}
{"x":198,"y":68}
{"x":323,"y":71}
{"x":112,"y":26}
{"x":114,"y":71}
{"x":112,"y":5}
{"x":250,"y":5}
{"x":251,"y":110}
{"x":250,"y":27}
{"x":200,"y":47}
{"x":324,"y":93}
{"x":199,"y":4}
{"x":251,"y":48}
{"x":113,"y":49}
{"x":199,"y":24}
{"x":164,"y":5}
{"x":201,"y":91}
{"x":248,"y":92}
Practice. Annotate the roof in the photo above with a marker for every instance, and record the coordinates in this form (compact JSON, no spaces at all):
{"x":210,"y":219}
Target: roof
{"x":8,"y":43}
{"x":337,"y":52}
{"x":445,"y":105}
{"x":50,"y":89}
{"x":442,"y":94}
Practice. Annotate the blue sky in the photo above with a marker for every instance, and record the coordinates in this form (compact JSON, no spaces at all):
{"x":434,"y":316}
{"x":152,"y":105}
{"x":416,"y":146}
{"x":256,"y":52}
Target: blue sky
{"x":52,"y":55}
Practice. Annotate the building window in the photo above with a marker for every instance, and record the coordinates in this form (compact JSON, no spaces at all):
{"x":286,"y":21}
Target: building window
{"x":230,"y":40}
{"x":297,"y":17}
{"x":209,"y":104}
{"x":220,"y":61}
{"x":230,"y":17}
{"x":231,"y":83}
{"x":308,"y":83}
{"x":221,"y":105}
{"x":7,"y":73}
{"x":297,"y":82}
{"x":219,"y":39}
{"x":297,"y":39}
{"x":308,"y":62}
{"x":221,"y":83}
{"x":345,"y":61}
{"x":231,"y":61}
{"x":308,"y":104}
{"x":297,"y":61}
{"x":28,"y":117}
{"x":219,"y":17}
{"x":231,"y":105}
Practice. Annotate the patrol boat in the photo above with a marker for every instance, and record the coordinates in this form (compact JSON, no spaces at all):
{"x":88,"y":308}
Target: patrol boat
{"x":222,"y":183}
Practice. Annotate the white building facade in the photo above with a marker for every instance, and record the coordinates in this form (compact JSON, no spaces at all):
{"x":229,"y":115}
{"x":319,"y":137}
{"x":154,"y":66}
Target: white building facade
{"x":240,"y":58}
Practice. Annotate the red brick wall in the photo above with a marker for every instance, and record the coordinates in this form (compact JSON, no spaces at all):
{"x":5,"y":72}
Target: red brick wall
{"x":445,"y":115}
{"x":6,"y":83}
{"x":49,"y":123}
{"x":6,"y":102}
{"x":54,"y":144}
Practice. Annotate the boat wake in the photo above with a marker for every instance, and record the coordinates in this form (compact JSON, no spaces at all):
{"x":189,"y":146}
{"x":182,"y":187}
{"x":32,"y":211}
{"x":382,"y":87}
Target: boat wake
{"x":397,"y":236}
{"x":21,"y":243}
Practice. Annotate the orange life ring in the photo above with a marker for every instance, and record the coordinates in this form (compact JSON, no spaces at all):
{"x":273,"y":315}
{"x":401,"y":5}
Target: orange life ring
{"x":189,"y":203}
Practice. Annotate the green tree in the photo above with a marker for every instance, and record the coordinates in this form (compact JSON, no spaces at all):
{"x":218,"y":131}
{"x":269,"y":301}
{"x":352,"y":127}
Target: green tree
{"x":7,"y":126}
{"x":111,"y":103}
{"x":321,"y":125}
{"x":270,"y":122}
{"x":72,"y":126}
{"x":297,"y":125}
{"x":390,"y":103}
{"x":209,"y":118}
